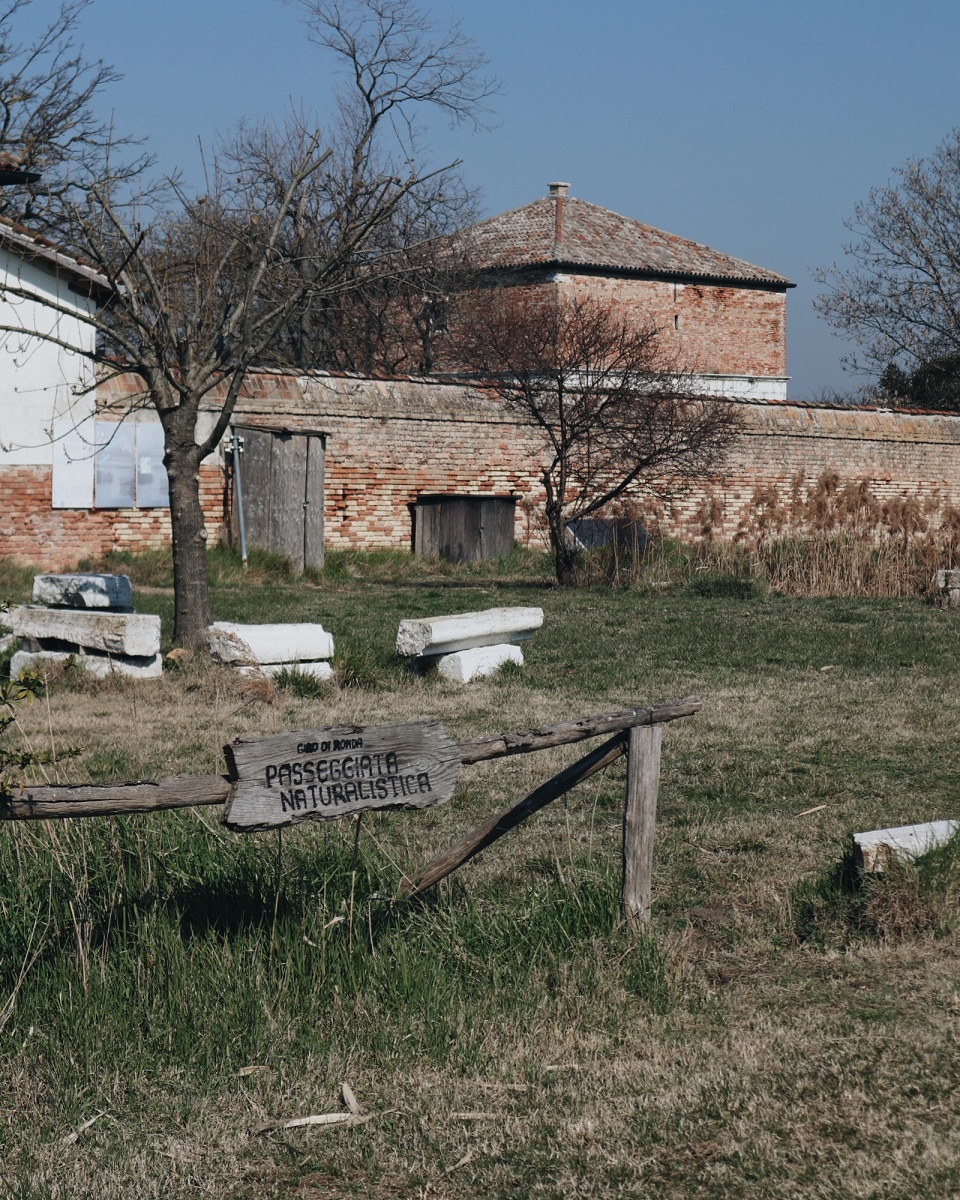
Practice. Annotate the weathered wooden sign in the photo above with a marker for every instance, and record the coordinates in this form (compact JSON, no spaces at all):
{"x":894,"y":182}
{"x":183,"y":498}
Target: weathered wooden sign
{"x":342,"y":769}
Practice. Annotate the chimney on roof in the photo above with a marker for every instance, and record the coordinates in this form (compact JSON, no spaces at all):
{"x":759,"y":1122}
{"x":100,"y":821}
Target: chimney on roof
{"x":558,"y":191}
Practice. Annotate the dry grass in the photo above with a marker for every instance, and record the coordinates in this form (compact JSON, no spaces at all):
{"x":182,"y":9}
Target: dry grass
{"x":831,"y":537}
{"x":734,"y":1054}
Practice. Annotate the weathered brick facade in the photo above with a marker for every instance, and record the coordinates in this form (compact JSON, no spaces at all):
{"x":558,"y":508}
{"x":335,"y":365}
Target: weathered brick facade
{"x":32,"y":531}
{"x":390,"y":440}
{"x":720,"y":315}
{"x":715,"y":330}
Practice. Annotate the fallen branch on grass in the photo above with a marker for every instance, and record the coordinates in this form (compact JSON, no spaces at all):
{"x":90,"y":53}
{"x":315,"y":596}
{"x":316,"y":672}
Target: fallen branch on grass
{"x":325,"y":1119}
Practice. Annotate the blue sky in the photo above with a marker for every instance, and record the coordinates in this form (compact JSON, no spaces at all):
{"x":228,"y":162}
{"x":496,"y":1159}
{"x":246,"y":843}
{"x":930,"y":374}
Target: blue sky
{"x":752,"y":126}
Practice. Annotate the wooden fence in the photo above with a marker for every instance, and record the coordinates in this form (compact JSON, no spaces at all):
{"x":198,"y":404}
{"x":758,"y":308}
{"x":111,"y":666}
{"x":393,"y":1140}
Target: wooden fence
{"x":635,"y":732}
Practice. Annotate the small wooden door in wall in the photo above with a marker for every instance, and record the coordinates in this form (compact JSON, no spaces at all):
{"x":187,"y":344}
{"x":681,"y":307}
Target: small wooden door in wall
{"x":281,"y":476}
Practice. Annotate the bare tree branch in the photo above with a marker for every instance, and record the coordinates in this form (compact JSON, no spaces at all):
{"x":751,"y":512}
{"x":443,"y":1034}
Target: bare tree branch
{"x":48,"y":121}
{"x":613,"y":408}
{"x":200,"y":288}
{"x":899,"y":299}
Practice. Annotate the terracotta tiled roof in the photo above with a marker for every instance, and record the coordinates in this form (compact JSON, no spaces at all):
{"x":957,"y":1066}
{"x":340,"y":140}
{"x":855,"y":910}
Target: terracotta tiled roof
{"x":30,"y":244}
{"x":595,"y":237}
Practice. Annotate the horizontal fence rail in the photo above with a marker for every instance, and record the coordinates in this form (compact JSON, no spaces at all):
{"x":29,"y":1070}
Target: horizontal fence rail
{"x":57,"y":801}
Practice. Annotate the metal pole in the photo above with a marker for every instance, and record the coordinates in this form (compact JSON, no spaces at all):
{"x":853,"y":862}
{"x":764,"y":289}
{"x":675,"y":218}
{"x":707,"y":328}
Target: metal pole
{"x":238,"y":487}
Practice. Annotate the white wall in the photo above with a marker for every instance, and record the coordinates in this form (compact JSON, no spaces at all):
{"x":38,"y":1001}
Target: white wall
{"x":40,"y":381}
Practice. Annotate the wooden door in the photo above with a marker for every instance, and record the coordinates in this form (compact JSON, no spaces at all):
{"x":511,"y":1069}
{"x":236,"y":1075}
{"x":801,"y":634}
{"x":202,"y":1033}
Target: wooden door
{"x":281,"y":474}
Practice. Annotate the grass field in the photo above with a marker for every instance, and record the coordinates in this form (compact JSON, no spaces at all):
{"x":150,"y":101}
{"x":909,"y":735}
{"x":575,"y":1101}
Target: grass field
{"x":783,"y":1031}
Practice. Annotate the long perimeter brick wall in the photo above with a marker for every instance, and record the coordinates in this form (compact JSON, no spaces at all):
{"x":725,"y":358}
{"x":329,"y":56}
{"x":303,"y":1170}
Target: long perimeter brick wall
{"x":388,"y":441}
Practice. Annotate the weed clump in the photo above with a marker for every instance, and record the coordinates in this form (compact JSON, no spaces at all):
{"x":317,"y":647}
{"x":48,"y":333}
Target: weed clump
{"x":906,"y":900}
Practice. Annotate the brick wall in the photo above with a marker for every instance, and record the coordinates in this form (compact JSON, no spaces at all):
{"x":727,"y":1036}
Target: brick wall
{"x":388,"y":441}
{"x":716,"y":330}
{"x":32,"y":531}
{"x":785,"y":446}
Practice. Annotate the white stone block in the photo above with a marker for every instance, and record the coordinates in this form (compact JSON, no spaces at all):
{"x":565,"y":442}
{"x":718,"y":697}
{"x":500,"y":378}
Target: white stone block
{"x":466,"y":631}
{"x":100,"y":665}
{"x":269,"y":643}
{"x":316,"y":670}
{"x":84,"y":591}
{"x":464,"y":665}
{"x":133,"y":635}
{"x":872,"y":850}
{"x":948,"y":582}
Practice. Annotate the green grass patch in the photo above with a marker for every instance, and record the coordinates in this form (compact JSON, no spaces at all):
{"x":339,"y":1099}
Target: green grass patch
{"x":776,"y":1021}
{"x":905,"y":901}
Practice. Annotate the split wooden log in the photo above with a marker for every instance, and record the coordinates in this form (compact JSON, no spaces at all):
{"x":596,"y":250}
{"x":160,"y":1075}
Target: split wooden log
{"x":508,"y":818}
{"x":525,"y":741}
{"x":115,"y":799}
{"x":50,"y":801}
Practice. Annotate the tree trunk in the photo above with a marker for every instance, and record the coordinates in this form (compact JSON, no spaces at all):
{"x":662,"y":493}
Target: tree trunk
{"x":565,"y":554}
{"x":565,"y":563}
{"x":191,"y":592}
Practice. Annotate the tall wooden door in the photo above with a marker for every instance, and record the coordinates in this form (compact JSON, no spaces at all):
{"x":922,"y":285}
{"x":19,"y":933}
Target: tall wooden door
{"x":281,"y":477}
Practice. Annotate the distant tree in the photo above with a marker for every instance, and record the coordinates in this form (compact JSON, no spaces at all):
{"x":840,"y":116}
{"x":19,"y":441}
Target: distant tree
{"x":899,"y":298}
{"x":613,"y":409}
{"x":50,"y":132}
{"x":894,"y":384}
{"x":933,"y":385}
{"x":200,"y":288}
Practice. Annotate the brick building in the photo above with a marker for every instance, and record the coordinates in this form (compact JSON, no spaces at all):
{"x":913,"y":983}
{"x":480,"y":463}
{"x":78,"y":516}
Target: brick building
{"x":74,"y":483}
{"x":725,"y":318}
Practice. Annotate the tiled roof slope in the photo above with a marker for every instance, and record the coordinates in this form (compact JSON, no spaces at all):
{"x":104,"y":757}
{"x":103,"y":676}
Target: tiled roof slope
{"x":32,"y":245}
{"x":595,"y":237}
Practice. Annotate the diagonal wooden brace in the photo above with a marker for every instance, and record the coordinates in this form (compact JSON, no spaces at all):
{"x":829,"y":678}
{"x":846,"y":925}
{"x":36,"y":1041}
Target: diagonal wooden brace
{"x":501,"y":822}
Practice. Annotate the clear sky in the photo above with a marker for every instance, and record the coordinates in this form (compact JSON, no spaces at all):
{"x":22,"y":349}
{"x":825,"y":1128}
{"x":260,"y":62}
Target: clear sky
{"x":753,"y":126}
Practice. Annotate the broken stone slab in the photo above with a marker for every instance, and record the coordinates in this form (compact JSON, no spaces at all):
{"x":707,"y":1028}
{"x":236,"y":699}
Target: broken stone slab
{"x":467,"y":631}
{"x":133,"y":635}
{"x":464,"y":665}
{"x":84,"y":591}
{"x":316,"y":670}
{"x":948,"y":583}
{"x":100,"y":665}
{"x":268,"y":643}
{"x":873,"y":850}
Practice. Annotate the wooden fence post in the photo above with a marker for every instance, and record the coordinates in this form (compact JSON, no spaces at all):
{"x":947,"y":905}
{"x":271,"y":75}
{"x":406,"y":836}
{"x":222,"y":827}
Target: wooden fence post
{"x":639,"y":821}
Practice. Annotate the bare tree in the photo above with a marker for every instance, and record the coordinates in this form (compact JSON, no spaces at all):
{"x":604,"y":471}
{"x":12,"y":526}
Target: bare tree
{"x":200,"y":287}
{"x":899,"y":299}
{"x":614,"y":410}
{"x":51,"y":139}
{"x":394,"y":292}
{"x":392,"y":301}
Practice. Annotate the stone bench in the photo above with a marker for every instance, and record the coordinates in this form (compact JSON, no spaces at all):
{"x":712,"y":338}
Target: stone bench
{"x":468,"y":645}
{"x":270,"y":649}
{"x":92,"y":622}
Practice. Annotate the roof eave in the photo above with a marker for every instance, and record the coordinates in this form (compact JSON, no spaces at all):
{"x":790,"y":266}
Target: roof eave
{"x":771,"y":283}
